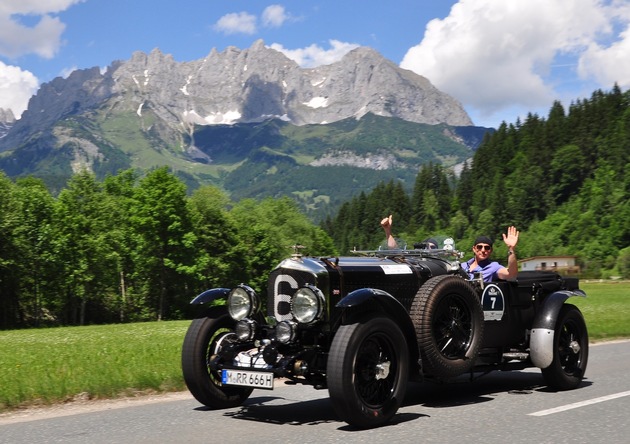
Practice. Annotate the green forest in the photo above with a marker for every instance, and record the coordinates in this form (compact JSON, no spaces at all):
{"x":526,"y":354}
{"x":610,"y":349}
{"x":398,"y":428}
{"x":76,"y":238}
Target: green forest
{"x":129,"y":248}
{"x":563,"y":181}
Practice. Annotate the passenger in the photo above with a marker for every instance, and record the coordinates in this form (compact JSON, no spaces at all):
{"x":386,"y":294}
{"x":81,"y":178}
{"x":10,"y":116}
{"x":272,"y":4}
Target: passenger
{"x":428,"y":244}
{"x":482,"y":249}
{"x":491,"y":270}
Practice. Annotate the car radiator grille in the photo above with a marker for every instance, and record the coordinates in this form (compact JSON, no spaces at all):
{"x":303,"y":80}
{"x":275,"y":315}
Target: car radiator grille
{"x":281,"y":286}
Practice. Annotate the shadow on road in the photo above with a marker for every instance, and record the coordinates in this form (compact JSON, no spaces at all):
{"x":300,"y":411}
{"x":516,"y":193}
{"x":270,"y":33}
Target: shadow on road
{"x":312,"y":412}
{"x":482,"y":388}
{"x":458,"y":392}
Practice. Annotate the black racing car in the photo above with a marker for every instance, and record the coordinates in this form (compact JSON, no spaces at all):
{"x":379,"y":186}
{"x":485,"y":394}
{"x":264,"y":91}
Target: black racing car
{"x":363,"y":326}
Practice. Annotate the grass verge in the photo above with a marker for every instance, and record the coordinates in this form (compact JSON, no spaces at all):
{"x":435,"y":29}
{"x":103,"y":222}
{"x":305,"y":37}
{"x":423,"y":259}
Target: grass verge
{"x":46,"y":366}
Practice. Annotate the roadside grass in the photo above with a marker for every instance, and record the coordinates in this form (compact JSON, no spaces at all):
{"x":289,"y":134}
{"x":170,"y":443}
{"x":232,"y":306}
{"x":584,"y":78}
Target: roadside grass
{"x":606,"y":309}
{"x":47,"y":366}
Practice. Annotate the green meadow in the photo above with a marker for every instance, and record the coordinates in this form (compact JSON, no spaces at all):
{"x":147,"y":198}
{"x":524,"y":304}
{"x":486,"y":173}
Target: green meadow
{"x":47,"y":366}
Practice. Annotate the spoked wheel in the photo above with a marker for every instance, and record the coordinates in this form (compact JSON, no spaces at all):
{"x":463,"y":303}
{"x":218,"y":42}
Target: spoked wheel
{"x":570,"y":350}
{"x":204,"y":338}
{"x":448,"y":319}
{"x":367,"y":371}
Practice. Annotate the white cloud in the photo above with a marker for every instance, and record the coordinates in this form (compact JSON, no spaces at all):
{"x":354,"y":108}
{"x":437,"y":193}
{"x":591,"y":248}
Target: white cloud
{"x":314,"y":55}
{"x":236,"y":23}
{"x":495,"y":56}
{"x":274,"y":16}
{"x":36,"y":7}
{"x":43,"y":39}
{"x":609,"y":62}
{"x":16,"y":88}
{"x":18,"y":39}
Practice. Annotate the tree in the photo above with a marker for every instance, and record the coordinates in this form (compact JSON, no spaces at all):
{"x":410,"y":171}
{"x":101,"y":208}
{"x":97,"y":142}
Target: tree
{"x":270,"y":230}
{"x":567,"y":170}
{"x":81,"y":224}
{"x":120,"y":194}
{"x":164,"y":253}
{"x":10,"y":312}
{"x":38,"y":268}
{"x":219,"y":251}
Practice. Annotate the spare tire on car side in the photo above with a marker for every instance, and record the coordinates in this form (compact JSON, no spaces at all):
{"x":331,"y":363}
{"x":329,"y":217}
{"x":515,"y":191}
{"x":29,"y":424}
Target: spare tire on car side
{"x":448,"y":319}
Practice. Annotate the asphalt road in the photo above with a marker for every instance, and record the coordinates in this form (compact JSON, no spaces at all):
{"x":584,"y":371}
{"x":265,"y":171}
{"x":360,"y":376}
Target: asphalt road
{"x":512,"y":407}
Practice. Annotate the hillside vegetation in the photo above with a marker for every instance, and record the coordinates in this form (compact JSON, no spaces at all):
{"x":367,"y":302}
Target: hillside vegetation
{"x":563,"y":180}
{"x":247,"y":160}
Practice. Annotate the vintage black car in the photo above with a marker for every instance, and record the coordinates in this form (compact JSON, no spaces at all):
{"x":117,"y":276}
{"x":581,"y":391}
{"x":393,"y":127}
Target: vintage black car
{"x":363,"y":326}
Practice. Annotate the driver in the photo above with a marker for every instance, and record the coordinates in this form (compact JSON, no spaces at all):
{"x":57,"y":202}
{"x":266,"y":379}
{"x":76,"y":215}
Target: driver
{"x":482,"y":249}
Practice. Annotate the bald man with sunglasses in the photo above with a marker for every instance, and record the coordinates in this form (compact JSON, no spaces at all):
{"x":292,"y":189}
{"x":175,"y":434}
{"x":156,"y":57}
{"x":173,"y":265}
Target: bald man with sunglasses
{"x":482,"y":249}
{"x":490,"y":270}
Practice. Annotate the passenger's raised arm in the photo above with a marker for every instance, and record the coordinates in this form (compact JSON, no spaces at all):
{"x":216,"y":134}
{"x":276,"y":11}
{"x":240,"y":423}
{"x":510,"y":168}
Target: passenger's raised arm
{"x":386,"y":223}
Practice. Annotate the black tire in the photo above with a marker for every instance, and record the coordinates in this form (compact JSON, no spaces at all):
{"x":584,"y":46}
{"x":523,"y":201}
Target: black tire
{"x":368,"y":369}
{"x":448,"y":320}
{"x":570,"y":350}
{"x":203,"y":339}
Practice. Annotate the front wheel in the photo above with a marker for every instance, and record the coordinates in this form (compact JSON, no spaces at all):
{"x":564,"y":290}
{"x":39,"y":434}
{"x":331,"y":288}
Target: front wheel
{"x":570,"y":350}
{"x":368,"y":369}
{"x":204,"y":339}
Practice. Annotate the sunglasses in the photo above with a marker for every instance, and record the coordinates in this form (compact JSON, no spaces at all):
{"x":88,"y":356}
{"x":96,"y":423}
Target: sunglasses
{"x":480,"y":247}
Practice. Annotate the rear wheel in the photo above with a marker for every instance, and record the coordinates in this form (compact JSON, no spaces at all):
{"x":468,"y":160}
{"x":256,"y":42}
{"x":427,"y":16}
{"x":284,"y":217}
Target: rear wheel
{"x":448,"y":319}
{"x":368,"y":369}
{"x":204,"y":339}
{"x":570,"y":350}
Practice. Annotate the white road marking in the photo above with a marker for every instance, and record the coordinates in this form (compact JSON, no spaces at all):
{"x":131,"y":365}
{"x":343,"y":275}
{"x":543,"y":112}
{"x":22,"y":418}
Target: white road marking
{"x":576,"y":405}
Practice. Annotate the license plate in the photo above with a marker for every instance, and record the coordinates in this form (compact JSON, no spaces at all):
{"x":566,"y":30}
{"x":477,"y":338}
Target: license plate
{"x":262,"y":380}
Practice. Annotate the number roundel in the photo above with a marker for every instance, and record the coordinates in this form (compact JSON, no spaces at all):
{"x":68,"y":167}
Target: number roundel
{"x":493,"y":303}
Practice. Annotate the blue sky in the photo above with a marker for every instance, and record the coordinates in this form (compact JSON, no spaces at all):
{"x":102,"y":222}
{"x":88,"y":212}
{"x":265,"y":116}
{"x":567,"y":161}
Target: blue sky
{"x":500,"y":58}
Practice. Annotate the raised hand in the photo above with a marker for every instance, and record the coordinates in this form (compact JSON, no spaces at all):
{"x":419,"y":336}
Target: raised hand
{"x":511,"y":239}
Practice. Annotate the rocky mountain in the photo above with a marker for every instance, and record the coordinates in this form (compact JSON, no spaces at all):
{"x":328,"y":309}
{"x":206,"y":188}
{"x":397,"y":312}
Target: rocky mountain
{"x":7,"y":119}
{"x":151,"y":110}
{"x":249,"y":85}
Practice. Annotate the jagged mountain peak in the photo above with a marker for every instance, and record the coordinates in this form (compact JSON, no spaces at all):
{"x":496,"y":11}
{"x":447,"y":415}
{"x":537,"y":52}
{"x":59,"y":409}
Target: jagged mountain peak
{"x":240,"y":85}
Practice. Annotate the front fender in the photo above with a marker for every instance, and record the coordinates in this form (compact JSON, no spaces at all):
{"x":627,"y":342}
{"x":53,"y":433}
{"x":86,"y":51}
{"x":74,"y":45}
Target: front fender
{"x":543,"y":328}
{"x":211,"y":295}
{"x":365,"y":298}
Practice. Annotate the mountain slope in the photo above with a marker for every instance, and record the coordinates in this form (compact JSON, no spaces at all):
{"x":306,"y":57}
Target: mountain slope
{"x":219,"y":119}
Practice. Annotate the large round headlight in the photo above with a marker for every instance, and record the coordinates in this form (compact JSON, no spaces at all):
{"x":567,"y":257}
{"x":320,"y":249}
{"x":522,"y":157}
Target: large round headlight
{"x":242,"y":302}
{"x":307,"y":304}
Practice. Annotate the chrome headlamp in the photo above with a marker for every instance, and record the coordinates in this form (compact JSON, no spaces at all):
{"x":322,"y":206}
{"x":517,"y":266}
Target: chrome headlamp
{"x":245,"y":329}
{"x":286,"y":331}
{"x":242,"y":302}
{"x":307,"y":304}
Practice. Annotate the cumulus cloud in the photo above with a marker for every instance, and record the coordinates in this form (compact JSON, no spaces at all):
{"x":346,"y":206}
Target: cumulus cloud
{"x":17,"y":39}
{"x":494,"y":55}
{"x":608,"y":62}
{"x":314,"y":55}
{"x":274,"y":16}
{"x":236,"y":23}
{"x":16,"y":88}
{"x":43,"y":39}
